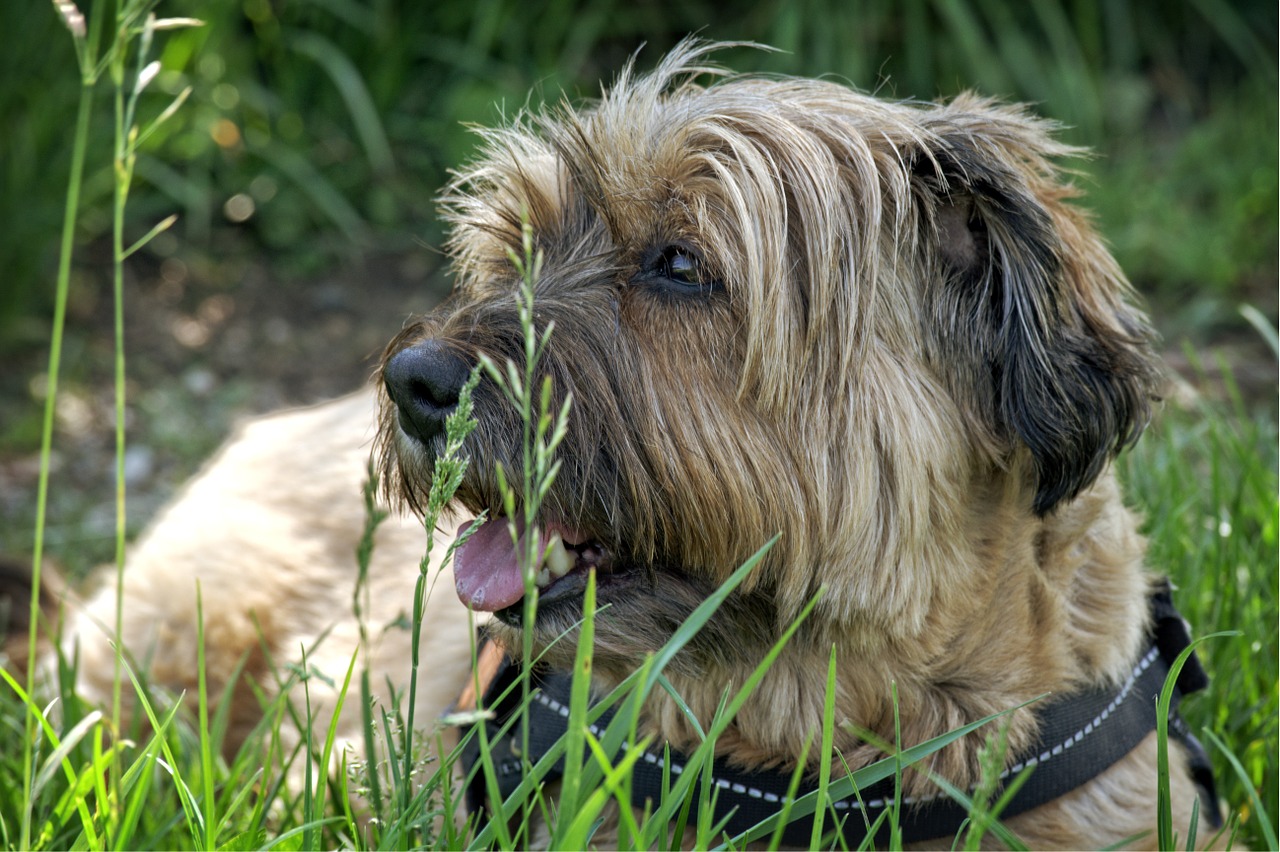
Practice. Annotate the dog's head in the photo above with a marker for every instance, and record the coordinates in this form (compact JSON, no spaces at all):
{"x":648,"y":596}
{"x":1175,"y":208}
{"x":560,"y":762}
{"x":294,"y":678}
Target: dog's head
{"x":781,"y":307}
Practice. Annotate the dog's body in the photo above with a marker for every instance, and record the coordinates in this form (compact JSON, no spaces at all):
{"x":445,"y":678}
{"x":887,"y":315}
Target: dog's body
{"x":781,"y":307}
{"x":269,"y":532}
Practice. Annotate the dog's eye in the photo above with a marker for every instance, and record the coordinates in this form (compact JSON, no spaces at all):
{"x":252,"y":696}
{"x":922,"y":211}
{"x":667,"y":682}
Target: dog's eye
{"x":679,"y":269}
{"x":679,"y":265}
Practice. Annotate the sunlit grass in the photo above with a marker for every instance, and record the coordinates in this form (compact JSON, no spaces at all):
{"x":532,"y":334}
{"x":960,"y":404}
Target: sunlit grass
{"x":1205,"y":478}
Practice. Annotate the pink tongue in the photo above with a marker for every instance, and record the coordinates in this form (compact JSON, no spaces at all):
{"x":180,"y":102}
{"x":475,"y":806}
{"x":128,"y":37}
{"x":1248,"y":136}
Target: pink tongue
{"x":485,"y":570}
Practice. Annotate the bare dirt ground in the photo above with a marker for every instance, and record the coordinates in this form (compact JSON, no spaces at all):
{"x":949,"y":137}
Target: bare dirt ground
{"x":213,"y":337}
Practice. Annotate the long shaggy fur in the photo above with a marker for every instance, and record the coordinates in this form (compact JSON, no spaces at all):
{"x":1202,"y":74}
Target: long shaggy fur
{"x":893,"y":341}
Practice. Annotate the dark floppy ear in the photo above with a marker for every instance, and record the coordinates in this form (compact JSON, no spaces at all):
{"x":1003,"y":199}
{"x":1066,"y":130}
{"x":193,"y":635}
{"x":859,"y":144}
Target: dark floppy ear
{"x":1051,"y":354}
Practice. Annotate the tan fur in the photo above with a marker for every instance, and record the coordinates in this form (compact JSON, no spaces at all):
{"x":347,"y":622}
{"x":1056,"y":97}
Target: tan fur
{"x":269,"y":532}
{"x":913,"y":358}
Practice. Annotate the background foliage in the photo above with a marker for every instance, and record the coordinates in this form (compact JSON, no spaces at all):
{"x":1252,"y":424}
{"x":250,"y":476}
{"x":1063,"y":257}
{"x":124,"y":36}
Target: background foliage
{"x":332,"y":122}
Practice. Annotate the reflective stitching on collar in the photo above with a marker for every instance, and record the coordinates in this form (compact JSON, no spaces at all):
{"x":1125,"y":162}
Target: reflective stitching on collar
{"x":853,"y":803}
{"x":1090,"y":727}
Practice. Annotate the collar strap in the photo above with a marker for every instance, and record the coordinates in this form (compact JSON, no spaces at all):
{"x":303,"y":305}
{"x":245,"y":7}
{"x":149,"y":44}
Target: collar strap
{"x":1081,"y":735}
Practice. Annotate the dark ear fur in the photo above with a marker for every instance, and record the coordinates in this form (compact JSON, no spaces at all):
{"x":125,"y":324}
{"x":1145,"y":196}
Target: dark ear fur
{"x":1051,"y":354}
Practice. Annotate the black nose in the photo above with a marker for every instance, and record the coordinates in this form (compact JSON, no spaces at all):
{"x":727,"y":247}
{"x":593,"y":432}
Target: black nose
{"x":424,"y":381}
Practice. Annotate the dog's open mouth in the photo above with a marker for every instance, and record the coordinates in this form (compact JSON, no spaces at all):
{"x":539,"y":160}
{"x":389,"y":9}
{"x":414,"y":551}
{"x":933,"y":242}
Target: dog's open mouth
{"x":487,"y":572}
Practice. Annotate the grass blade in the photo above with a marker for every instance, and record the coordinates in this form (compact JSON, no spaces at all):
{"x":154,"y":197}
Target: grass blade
{"x":876,"y":772}
{"x":1164,"y":800}
{"x":1265,"y":825}
{"x":824,"y":767}
{"x":1263,"y":326}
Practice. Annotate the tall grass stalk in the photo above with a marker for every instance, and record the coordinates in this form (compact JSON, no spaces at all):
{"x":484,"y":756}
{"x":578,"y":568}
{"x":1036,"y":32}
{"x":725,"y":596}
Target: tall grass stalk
{"x":828,"y":737}
{"x":86,"y":45}
{"x":205,"y":834}
{"x":123,"y":171}
{"x":360,"y":604}
{"x":46,"y":439}
{"x":86,"y":36}
{"x":134,"y":20}
{"x":1164,"y":799}
{"x":543,"y":430}
{"x":449,"y":469}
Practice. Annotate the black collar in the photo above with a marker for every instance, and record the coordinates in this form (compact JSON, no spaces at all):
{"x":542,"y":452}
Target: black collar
{"x":1080,"y":736}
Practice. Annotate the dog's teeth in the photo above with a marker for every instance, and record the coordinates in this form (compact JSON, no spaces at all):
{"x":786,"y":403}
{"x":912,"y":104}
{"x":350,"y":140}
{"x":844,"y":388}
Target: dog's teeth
{"x":559,"y":559}
{"x":543,"y":579}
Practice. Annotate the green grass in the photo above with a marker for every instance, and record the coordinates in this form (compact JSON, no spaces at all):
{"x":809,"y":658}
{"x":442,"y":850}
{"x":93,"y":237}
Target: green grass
{"x":1205,"y":479}
{"x":347,"y":116}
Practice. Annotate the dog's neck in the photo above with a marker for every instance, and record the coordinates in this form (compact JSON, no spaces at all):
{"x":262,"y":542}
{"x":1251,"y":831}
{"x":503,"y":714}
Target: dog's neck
{"x":1047,"y":607}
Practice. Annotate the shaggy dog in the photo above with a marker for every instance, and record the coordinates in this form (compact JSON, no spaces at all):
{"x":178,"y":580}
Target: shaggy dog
{"x":879,"y":331}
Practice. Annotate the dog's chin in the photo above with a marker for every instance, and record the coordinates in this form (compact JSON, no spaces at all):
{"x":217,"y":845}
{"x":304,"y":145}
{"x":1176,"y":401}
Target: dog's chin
{"x":630,"y":620}
{"x":560,"y":604}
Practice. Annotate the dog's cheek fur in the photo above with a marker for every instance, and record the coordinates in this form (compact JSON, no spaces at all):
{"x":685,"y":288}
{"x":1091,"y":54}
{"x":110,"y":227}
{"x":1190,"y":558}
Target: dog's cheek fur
{"x":1042,"y":344}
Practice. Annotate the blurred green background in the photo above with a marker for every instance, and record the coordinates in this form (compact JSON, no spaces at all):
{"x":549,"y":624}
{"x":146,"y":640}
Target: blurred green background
{"x":305,"y":165}
{"x":339,"y":118}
